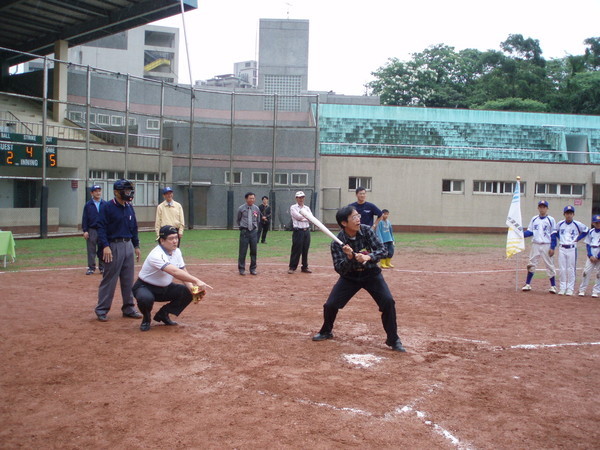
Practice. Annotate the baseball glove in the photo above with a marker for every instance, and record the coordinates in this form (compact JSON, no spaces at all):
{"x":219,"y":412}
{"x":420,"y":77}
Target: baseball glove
{"x":197,"y":293}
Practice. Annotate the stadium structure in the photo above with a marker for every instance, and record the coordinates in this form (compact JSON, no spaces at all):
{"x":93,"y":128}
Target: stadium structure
{"x":69,"y":125}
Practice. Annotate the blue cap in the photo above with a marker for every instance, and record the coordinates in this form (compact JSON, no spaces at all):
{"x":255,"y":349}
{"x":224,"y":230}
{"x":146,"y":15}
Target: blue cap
{"x":543,"y":203}
{"x":94,"y":187}
{"x":569,"y":208}
{"x":596,"y":218}
{"x":167,"y":189}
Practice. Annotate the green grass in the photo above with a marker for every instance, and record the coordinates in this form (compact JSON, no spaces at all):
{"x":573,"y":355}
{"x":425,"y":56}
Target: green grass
{"x":212,"y":245}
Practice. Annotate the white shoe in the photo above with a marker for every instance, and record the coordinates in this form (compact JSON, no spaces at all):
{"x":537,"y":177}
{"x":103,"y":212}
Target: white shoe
{"x":582,"y":294}
{"x":561,"y":293}
{"x":594,"y":295}
{"x":527,"y":287}
{"x":552,"y":289}
{"x":569,"y":293}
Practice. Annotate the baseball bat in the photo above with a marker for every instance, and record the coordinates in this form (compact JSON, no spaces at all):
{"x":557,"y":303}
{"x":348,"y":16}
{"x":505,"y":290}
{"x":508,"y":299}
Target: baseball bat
{"x":306,"y":213}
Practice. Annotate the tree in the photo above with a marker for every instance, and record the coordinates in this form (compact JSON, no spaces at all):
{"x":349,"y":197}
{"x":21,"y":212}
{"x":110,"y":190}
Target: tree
{"x":592,"y":53}
{"x":514,"y":104}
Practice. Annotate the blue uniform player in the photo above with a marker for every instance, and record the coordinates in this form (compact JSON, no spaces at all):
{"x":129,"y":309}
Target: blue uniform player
{"x":118,"y":237}
{"x":541,"y":228}
{"x":566,"y":235}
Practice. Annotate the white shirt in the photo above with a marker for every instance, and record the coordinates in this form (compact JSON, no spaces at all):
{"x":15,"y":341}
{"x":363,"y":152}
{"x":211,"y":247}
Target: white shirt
{"x":593,"y":240}
{"x":542,"y":228}
{"x":298,"y":220}
{"x":152,"y":270}
{"x":567,"y":233}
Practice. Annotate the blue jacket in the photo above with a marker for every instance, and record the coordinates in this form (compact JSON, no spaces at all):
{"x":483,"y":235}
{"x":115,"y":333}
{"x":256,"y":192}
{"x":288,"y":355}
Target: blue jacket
{"x":90,"y":215}
{"x":117,"y":221}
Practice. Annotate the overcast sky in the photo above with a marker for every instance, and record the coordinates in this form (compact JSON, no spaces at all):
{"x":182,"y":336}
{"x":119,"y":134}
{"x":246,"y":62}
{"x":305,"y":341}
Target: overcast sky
{"x":349,"y":39}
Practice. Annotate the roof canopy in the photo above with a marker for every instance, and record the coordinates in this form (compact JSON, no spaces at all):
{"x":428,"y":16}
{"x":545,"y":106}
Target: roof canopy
{"x":33,"y":26}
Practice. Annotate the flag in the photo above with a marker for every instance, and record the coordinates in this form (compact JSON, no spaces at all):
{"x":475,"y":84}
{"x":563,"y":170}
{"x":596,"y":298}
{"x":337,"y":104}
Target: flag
{"x":515,"y":241}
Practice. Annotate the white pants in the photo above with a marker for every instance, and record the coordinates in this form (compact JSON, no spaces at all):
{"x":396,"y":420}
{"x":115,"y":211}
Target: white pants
{"x":541,"y":251}
{"x":588,"y":270}
{"x":567,"y":258}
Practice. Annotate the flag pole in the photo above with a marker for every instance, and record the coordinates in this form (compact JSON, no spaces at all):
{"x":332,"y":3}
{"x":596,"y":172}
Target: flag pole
{"x":517,"y":258}
{"x":515,"y":242}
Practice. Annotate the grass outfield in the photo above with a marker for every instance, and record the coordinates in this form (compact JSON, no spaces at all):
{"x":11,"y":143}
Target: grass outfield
{"x":213,"y":245}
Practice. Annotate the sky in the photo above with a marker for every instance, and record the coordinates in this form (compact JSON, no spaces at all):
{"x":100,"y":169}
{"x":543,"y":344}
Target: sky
{"x":350,"y":39}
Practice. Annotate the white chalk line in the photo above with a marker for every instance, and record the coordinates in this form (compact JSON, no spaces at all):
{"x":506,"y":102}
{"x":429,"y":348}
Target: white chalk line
{"x":386,"y":416}
{"x":541,"y":346}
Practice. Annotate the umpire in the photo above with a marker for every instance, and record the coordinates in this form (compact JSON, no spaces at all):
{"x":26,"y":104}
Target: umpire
{"x":356,"y":262}
{"x":155,"y":282}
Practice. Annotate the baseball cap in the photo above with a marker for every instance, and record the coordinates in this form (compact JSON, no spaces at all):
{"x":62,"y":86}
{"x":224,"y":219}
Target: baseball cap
{"x":569,"y":208}
{"x":94,"y":187}
{"x":543,"y":203}
{"x":167,"y":189}
{"x":300,"y":194}
{"x":166,"y":230}
{"x":596,"y":218}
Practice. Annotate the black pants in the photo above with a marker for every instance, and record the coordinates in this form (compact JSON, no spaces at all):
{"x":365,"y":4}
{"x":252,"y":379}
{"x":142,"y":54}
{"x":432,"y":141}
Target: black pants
{"x":178,"y":296}
{"x":263,"y":228}
{"x":300,"y":246}
{"x":247,"y":239}
{"x":374,"y":284}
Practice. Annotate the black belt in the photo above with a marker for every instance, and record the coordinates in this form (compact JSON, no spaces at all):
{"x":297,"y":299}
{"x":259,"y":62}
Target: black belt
{"x":120,"y":240}
{"x":247,"y":229}
{"x":567,"y":246}
{"x":594,"y":246}
{"x":300,"y":229}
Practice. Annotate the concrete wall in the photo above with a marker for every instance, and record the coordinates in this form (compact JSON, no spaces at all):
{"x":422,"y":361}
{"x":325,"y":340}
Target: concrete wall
{"x":412,"y":190}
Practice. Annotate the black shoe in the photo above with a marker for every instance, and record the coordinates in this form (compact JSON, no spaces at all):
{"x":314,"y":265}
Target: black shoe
{"x":253,"y":272}
{"x":397,"y":346}
{"x":102,"y":318}
{"x":90,"y":271}
{"x":145,"y":326}
{"x":163,"y":317}
{"x":307,"y":270}
{"x":133,"y":315}
{"x":322,"y":336}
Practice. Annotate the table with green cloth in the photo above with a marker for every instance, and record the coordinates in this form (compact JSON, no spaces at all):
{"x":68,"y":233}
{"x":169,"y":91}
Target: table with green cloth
{"x":7,"y":245}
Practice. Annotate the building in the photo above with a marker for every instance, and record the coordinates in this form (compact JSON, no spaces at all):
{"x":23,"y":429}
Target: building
{"x":149,"y":51}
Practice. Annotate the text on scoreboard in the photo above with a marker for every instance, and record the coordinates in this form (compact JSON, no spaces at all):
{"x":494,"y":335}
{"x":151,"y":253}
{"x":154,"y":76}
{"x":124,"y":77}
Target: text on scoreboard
{"x":25,"y":150}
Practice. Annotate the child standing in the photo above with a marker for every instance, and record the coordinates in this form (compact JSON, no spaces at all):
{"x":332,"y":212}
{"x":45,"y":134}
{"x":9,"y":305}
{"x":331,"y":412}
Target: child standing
{"x":592,"y":241}
{"x":566,"y":234}
{"x":386,"y":235}
{"x":541,"y":227}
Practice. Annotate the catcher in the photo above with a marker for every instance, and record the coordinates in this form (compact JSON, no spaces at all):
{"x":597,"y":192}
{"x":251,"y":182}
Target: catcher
{"x":155,"y":281}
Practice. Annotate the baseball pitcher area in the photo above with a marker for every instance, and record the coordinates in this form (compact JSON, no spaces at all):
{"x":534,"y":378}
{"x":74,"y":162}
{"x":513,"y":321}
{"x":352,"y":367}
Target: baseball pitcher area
{"x":486,"y":366}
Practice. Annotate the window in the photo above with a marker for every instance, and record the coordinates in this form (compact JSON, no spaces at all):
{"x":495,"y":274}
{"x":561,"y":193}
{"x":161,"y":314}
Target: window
{"x":496,"y":187}
{"x":117,"y":121}
{"x":260,"y":178}
{"x":92,"y":117}
{"x":300,"y":179}
{"x":558,"y":189}
{"x":103,"y":119}
{"x":355,"y":182}
{"x":454,"y":186}
{"x":237,"y":177}
{"x":146,"y":185}
{"x":153,"y":124}
{"x":132,"y":121}
{"x":76,"y":116}
{"x":281,"y":179}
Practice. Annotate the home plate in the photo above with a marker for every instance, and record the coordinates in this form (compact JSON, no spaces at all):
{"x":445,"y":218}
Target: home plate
{"x":363,"y":360}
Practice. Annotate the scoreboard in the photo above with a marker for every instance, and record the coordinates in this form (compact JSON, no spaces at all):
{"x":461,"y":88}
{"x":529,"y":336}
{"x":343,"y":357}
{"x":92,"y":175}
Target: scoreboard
{"x":25,"y":150}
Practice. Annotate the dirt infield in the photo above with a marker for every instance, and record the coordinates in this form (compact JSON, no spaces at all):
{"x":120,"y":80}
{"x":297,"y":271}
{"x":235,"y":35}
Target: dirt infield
{"x":487,"y":367}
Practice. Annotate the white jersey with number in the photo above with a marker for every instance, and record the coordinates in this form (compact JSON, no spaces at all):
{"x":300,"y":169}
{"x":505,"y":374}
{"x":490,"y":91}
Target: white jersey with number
{"x":567,"y":233}
{"x":152,"y":270}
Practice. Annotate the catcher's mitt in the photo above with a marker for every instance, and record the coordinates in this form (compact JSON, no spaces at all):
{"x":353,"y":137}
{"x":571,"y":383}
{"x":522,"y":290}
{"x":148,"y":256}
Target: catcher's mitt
{"x":197,"y":293}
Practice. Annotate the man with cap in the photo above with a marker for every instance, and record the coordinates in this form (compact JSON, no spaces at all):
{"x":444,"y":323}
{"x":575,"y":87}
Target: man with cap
{"x":169,"y":212}
{"x":566,"y":234}
{"x":89,"y":225}
{"x":118,"y":237}
{"x":300,"y":235}
{"x":247,"y":221}
{"x":541,"y":228}
{"x":592,"y":244}
{"x":155,"y":280}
